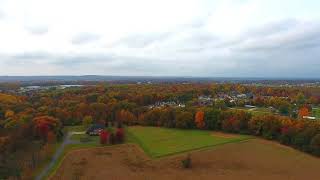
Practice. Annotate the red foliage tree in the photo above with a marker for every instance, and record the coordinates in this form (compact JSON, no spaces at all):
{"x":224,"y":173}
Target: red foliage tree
{"x":104,"y":136}
{"x":44,"y":124}
{"x":230,"y":124}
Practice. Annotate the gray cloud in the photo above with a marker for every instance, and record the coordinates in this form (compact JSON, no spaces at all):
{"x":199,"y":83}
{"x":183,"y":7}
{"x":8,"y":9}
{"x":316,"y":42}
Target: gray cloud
{"x":66,"y":60}
{"x":142,"y":40}
{"x":281,"y":37}
{"x":84,"y":38}
{"x":38,"y":30}
{"x":30,"y":56}
{"x":297,"y":64}
{"x":2,"y":15}
{"x":273,"y":28}
{"x":282,"y":49}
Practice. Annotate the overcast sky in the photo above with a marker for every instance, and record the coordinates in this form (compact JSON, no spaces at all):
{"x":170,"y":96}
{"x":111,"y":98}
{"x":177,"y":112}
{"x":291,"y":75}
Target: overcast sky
{"x":216,"y":38}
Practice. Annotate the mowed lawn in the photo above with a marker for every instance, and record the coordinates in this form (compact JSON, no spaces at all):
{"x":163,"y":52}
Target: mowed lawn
{"x":316,"y":112}
{"x":158,"y":142}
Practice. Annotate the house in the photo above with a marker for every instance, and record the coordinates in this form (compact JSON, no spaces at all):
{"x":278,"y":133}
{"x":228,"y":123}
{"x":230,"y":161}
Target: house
{"x":249,"y":106}
{"x":309,"y":117}
{"x":161,"y":104}
{"x":95,"y":129}
{"x":205,"y":100}
{"x":242,"y":96}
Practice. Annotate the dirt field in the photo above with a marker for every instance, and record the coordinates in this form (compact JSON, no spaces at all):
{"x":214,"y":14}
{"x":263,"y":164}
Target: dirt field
{"x":253,"y":159}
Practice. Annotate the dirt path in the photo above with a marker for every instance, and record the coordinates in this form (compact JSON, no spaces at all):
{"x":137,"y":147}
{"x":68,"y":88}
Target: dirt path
{"x":58,"y":153}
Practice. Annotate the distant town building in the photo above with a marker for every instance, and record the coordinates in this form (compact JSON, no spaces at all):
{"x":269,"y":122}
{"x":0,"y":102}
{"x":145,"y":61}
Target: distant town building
{"x":205,"y":100}
{"x":160,"y":104}
{"x":249,"y":106}
{"x":309,"y":117}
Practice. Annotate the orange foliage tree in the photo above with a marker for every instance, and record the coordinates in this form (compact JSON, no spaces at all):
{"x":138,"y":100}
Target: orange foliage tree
{"x":304,"y":111}
{"x":199,"y":119}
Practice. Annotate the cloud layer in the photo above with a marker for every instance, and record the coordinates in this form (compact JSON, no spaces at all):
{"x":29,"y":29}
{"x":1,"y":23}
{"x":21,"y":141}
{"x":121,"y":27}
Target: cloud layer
{"x":233,"y":38}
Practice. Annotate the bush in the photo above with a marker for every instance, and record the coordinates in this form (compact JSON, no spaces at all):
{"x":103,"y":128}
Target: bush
{"x":271,"y":127}
{"x":315,"y":145}
{"x":186,"y":163}
{"x":303,"y":139}
{"x":112,"y":138}
{"x":104,"y":137}
{"x":120,"y":135}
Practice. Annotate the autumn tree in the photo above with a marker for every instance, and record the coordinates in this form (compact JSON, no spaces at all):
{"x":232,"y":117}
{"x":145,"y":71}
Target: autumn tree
{"x":44,"y":124}
{"x":269,"y":126}
{"x":212,"y":119}
{"x":87,"y":121}
{"x":167,"y":117}
{"x":99,"y":111}
{"x":199,"y":120}
{"x":9,"y":114}
{"x":125,"y":116}
{"x":303,"y":111}
{"x":184,"y":120}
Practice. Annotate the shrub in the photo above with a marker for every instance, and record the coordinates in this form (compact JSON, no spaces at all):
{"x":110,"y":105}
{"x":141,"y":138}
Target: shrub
{"x":287,"y":134}
{"x":271,"y":127}
{"x":112,"y":138}
{"x":120,"y":135}
{"x":186,"y":162}
{"x":104,"y":137}
{"x":315,"y":145}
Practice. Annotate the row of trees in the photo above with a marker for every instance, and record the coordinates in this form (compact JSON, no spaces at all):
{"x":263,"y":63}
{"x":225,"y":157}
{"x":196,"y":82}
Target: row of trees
{"x":300,"y":134}
{"x":104,"y":102}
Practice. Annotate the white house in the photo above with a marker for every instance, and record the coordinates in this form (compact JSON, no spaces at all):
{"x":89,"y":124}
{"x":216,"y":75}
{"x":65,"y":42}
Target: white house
{"x":309,"y":117}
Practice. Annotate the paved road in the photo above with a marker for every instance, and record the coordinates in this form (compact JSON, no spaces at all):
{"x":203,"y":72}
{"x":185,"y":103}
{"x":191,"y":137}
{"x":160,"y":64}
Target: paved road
{"x":59,"y":151}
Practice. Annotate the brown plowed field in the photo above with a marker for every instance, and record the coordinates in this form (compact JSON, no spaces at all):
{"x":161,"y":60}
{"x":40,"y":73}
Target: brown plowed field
{"x":253,"y":159}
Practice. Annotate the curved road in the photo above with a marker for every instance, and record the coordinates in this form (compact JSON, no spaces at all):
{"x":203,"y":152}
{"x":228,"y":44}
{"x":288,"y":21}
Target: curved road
{"x":59,"y":151}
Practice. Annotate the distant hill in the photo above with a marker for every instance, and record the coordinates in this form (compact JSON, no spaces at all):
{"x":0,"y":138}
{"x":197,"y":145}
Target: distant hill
{"x":154,"y":79}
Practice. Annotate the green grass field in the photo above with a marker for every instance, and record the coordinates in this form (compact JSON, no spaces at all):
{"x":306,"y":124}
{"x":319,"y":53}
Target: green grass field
{"x":158,"y":142}
{"x":78,"y":128}
{"x":255,"y":111}
{"x":86,"y":139}
{"x":316,"y":112}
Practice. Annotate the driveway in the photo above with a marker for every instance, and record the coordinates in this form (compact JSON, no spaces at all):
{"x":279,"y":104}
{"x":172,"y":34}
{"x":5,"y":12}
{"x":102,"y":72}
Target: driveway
{"x":58,"y":153}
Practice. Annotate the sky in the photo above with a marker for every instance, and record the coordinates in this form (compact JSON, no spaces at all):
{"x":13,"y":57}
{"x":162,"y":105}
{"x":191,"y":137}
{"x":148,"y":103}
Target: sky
{"x":200,"y":38}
